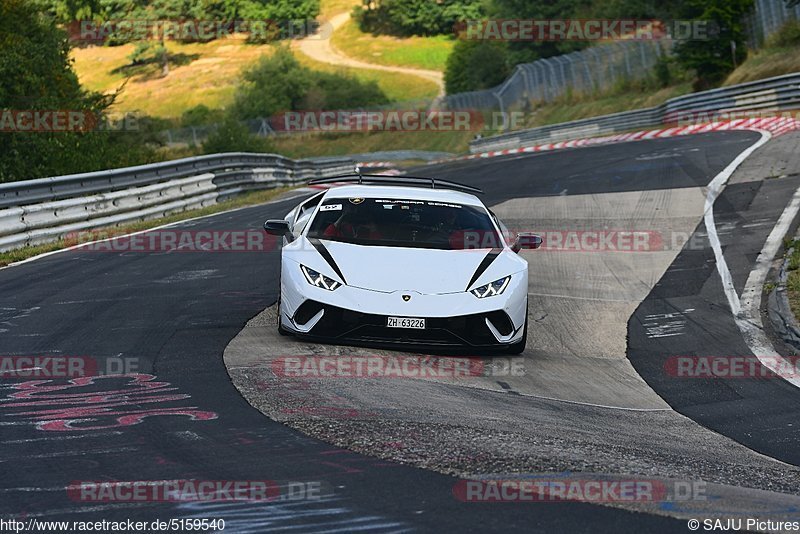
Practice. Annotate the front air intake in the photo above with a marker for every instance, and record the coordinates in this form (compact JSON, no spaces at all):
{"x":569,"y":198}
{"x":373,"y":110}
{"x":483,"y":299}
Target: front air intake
{"x":501,"y":321}
{"x":306,"y":312}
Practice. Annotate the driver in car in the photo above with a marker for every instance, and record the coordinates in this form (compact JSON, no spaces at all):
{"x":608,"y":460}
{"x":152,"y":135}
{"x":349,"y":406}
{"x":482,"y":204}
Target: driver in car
{"x":354,"y":224}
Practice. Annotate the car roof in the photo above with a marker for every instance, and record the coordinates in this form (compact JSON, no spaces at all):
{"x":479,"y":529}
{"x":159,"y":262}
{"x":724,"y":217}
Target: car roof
{"x":403,"y":192}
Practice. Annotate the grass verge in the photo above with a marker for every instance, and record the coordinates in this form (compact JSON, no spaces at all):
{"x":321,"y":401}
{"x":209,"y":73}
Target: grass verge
{"x":248,"y":199}
{"x":303,"y":146}
{"x":570,"y":108}
{"x":779,"y":55}
{"x":397,"y":87}
{"x":209,"y":74}
{"x":420,"y":52}
{"x":329,"y":8}
{"x":793,"y":277}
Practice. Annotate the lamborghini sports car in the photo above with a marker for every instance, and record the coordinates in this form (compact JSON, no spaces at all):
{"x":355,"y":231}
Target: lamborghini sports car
{"x":400,"y":261}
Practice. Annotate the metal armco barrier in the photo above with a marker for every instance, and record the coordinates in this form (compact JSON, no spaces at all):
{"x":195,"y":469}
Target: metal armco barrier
{"x":771,"y":94}
{"x":39,"y":211}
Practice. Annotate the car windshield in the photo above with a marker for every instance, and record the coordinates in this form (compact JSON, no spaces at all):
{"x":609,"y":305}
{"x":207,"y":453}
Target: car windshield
{"x":404,"y":223}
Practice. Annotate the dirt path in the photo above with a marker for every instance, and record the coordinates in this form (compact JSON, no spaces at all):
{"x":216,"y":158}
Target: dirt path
{"x":319,"y":48}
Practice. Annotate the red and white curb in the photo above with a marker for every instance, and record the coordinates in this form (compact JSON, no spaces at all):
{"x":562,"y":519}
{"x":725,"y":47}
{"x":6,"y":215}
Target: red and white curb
{"x":775,"y":125}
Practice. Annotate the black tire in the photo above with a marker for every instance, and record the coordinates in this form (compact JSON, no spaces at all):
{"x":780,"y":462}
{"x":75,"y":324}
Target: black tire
{"x":519,"y":346}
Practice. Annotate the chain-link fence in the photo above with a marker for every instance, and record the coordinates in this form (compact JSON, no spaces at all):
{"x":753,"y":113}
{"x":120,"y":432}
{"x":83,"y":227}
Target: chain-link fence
{"x":768,"y":17}
{"x":596,"y":68}
{"x":195,"y":135}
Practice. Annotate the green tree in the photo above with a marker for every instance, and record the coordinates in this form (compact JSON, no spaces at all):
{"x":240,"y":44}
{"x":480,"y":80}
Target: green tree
{"x":36,"y":74}
{"x":279,"y":10}
{"x":276,"y":83}
{"x":415,"y":17}
{"x":474,"y":65}
{"x":160,"y":10}
{"x":69,"y":10}
{"x":524,"y":52}
{"x":279,"y":83}
{"x":713,"y":58}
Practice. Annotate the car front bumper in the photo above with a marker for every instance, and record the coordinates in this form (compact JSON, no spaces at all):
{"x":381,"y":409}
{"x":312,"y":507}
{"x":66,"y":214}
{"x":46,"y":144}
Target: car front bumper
{"x":354,"y":315}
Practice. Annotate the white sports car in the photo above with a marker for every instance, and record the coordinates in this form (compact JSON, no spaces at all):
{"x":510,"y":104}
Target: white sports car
{"x":400,"y":261}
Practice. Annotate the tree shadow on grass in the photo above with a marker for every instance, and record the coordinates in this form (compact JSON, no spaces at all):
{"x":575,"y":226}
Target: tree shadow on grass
{"x":152,"y":68}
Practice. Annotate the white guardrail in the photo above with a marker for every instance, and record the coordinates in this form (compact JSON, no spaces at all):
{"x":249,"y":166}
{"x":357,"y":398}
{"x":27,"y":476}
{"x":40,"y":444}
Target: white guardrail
{"x":39,"y":211}
{"x":768,"y":95}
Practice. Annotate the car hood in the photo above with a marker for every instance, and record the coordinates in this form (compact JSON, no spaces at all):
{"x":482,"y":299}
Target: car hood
{"x":426,"y":271}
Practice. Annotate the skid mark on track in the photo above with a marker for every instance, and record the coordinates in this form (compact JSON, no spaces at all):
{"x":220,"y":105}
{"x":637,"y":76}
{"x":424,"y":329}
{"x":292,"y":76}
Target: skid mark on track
{"x":323,"y":515}
{"x":9,"y":316}
{"x":190,"y":276}
{"x":666,"y":324}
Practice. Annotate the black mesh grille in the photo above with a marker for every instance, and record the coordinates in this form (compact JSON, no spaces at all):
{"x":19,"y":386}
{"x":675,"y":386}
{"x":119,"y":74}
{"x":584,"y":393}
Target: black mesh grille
{"x":470,"y":330}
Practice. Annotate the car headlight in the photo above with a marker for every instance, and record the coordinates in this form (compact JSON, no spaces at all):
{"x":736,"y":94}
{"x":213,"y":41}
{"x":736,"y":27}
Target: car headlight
{"x":318,"y":279}
{"x":490,"y":290}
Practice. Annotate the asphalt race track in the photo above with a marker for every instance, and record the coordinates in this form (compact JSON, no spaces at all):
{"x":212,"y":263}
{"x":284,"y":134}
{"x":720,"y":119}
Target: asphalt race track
{"x":196,"y":332}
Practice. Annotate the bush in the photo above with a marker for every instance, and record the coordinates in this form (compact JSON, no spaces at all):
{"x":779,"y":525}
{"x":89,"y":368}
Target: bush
{"x":279,"y":83}
{"x":663,"y":72}
{"x":200,"y":115}
{"x":233,"y":136}
{"x":340,"y":91}
{"x":415,"y":17}
{"x":787,"y":36}
{"x":475,"y":65}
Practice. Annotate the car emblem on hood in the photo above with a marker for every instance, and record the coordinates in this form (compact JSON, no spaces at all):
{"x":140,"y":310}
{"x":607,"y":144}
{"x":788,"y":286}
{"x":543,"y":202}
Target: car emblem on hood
{"x":356,"y":200}
{"x":406,"y":297}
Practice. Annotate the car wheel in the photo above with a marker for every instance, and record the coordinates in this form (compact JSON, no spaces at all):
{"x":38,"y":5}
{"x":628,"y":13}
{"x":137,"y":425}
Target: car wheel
{"x":519,"y":346}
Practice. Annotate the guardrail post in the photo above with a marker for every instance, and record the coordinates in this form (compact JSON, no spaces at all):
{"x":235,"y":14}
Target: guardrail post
{"x":553,"y":79}
{"x":500,"y":102}
{"x":598,"y":68}
{"x":627,"y":59}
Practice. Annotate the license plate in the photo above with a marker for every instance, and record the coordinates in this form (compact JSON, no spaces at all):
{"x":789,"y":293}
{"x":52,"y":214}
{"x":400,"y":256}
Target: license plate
{"x":406,"y":322}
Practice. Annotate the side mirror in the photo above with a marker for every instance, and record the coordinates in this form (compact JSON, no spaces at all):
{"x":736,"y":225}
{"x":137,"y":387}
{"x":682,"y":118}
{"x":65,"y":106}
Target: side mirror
{"x":526,"y":240}
{"x":278,"y":227}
